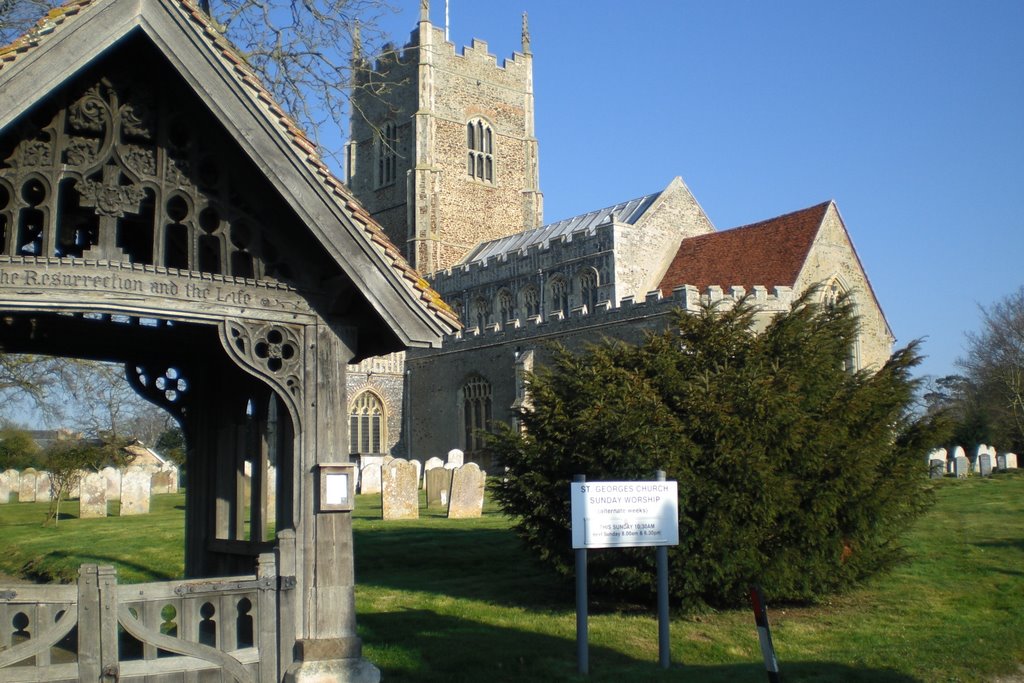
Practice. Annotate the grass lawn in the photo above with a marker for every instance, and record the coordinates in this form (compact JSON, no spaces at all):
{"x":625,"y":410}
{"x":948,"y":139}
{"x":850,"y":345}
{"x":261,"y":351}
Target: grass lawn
{"x":459,"y":600}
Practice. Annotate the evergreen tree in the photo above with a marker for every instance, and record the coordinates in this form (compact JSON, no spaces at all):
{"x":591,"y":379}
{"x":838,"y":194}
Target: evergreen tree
{"x":793,"y":471}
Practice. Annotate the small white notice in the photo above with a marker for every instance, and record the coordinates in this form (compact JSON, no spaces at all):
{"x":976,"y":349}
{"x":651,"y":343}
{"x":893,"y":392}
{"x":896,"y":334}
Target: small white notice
{"x":624,"y":514}
{"x":336,"y":490}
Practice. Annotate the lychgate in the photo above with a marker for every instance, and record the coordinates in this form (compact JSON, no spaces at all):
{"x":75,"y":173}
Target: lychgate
{"x":159,"y":210}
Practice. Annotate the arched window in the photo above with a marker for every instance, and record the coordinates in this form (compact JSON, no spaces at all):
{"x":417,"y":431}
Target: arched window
{"x":531,"y":301}
{"x":476,"y":412}
{"x":560,"y":295}
{"x":482,"y":313}
{"x":387,"y":154}
{"x":588,"y":289}
{"x":480,"y":150}
{"x":506,"y":307}
{"x":367,"y":424}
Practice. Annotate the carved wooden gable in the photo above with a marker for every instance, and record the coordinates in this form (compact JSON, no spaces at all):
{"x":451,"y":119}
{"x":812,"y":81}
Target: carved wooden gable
{"x":120,"y":165}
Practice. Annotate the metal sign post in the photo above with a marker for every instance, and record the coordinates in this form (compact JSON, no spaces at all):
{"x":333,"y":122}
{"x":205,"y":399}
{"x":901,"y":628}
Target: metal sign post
{"x":623,"y":514}
{"x":582,"y":642}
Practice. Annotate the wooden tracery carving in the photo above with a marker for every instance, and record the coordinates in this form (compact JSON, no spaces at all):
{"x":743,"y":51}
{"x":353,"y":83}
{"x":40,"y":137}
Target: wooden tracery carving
{"x":113,"y":168}
{"x":272,"y":352}
{"x":164,"y":386}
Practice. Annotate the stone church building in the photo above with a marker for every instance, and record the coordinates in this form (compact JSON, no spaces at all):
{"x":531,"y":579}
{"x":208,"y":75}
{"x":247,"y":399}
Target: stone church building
{"x":446,"y":160}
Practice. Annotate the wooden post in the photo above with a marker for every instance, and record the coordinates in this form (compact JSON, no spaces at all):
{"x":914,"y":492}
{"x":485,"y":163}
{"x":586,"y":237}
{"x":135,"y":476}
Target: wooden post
{"x":88,"y":624}
{"x":106,"y":577}
{"x":265,"y":622}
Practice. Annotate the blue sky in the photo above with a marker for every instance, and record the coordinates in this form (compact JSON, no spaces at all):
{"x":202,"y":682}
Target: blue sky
{"x":910,"y":115}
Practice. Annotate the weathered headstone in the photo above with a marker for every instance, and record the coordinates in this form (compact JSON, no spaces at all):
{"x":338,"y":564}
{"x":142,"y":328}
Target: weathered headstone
{"x":419,"y":472}
{"x":1001,"y":463}
{"x":456,"y":457}
{"x":13,"y":478}
{"x":399,"y":490}
{"x":467,"y":499}
{"x":985,"y":464}
{"x":369,"y":479}
{"x":44,"y":488}
{"x":1011,"y":461}
{"x":937,"y":468}
{"x":175,"y":475}
{"x":160,"y":482}
{"x":27,"y":486}
{"x":5,"y":489}
{"x":113,"y":479}
{"x":961,"y":466}
{"x":93,"y":496}
{"x":135,"y":491}
{"x":430,"y":464}
{"x":439,"y":486}
{"x":938,"y":454}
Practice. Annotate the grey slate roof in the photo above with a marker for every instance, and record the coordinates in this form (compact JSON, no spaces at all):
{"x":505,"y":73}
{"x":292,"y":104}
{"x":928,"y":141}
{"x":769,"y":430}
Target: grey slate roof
{"x":626,"y":212}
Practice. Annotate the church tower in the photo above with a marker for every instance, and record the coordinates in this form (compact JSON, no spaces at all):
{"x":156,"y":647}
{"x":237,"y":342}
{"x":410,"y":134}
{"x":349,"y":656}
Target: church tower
{"x":442,"y":150}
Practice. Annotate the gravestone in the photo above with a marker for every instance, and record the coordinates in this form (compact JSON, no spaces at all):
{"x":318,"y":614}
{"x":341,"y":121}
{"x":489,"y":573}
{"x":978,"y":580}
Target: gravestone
{"x":985,"y":464}
{"x":5,"y":489}
{"x":937,"y":468}
{"x":399,"y":490}
{"x":369,"y":479}
{"x":172,"y":483}
{"x":1001,"y":463}
{"x":160,"y":482}
{"x":961,"y":466}
{"x":419,"y":472}
{"x":75,"y":492}
{"x":113,"y":479}
{"x":135,"y":491}
{"x":430,"y":464}
{"x":27,"y":486}
{"x":467,"y":499}
{"x":13,"y":478}
{"x":938,"y":454}
{"x":439,"y":486}
{"x":387,"y":459}
{"x":456,"y":457}
{"x":92,"y":501}
{"x":44,"y":488}
{"x":1011,"y":461}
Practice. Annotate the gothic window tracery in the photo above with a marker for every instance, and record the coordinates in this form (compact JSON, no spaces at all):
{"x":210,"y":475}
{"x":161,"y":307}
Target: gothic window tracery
{"x":560,"y":295}
{"x":506,"y":307}
{"x":531,"y":301}
{"x":476,"y":410}
{"x":480,"y":150}
{"x":588,"y":289}
{"x":482,"y":313}
{"x":367,"y":424}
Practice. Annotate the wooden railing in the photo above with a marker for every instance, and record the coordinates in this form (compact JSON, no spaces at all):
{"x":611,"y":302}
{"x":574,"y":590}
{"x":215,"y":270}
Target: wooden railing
{"x":102,"y":631}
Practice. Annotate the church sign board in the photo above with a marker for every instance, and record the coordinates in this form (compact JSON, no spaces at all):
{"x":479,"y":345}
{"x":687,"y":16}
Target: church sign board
{"x":624,"y":514}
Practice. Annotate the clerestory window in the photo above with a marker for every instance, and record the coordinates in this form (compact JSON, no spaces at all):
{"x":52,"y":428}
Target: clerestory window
{"x":480,"y":151}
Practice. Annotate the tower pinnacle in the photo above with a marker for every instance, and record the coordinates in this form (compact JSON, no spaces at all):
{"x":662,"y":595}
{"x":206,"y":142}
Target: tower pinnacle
{"x":526,"y":35}
{"x":424,"y":10}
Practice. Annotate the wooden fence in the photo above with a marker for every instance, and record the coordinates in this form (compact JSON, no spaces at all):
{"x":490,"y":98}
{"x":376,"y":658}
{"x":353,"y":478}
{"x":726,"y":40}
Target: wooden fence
{"x":223,"y":629}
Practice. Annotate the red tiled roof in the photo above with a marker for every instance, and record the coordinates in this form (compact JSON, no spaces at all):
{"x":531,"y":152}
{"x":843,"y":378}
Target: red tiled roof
{"x":305,"y":148}
{"x":770,"y":253}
